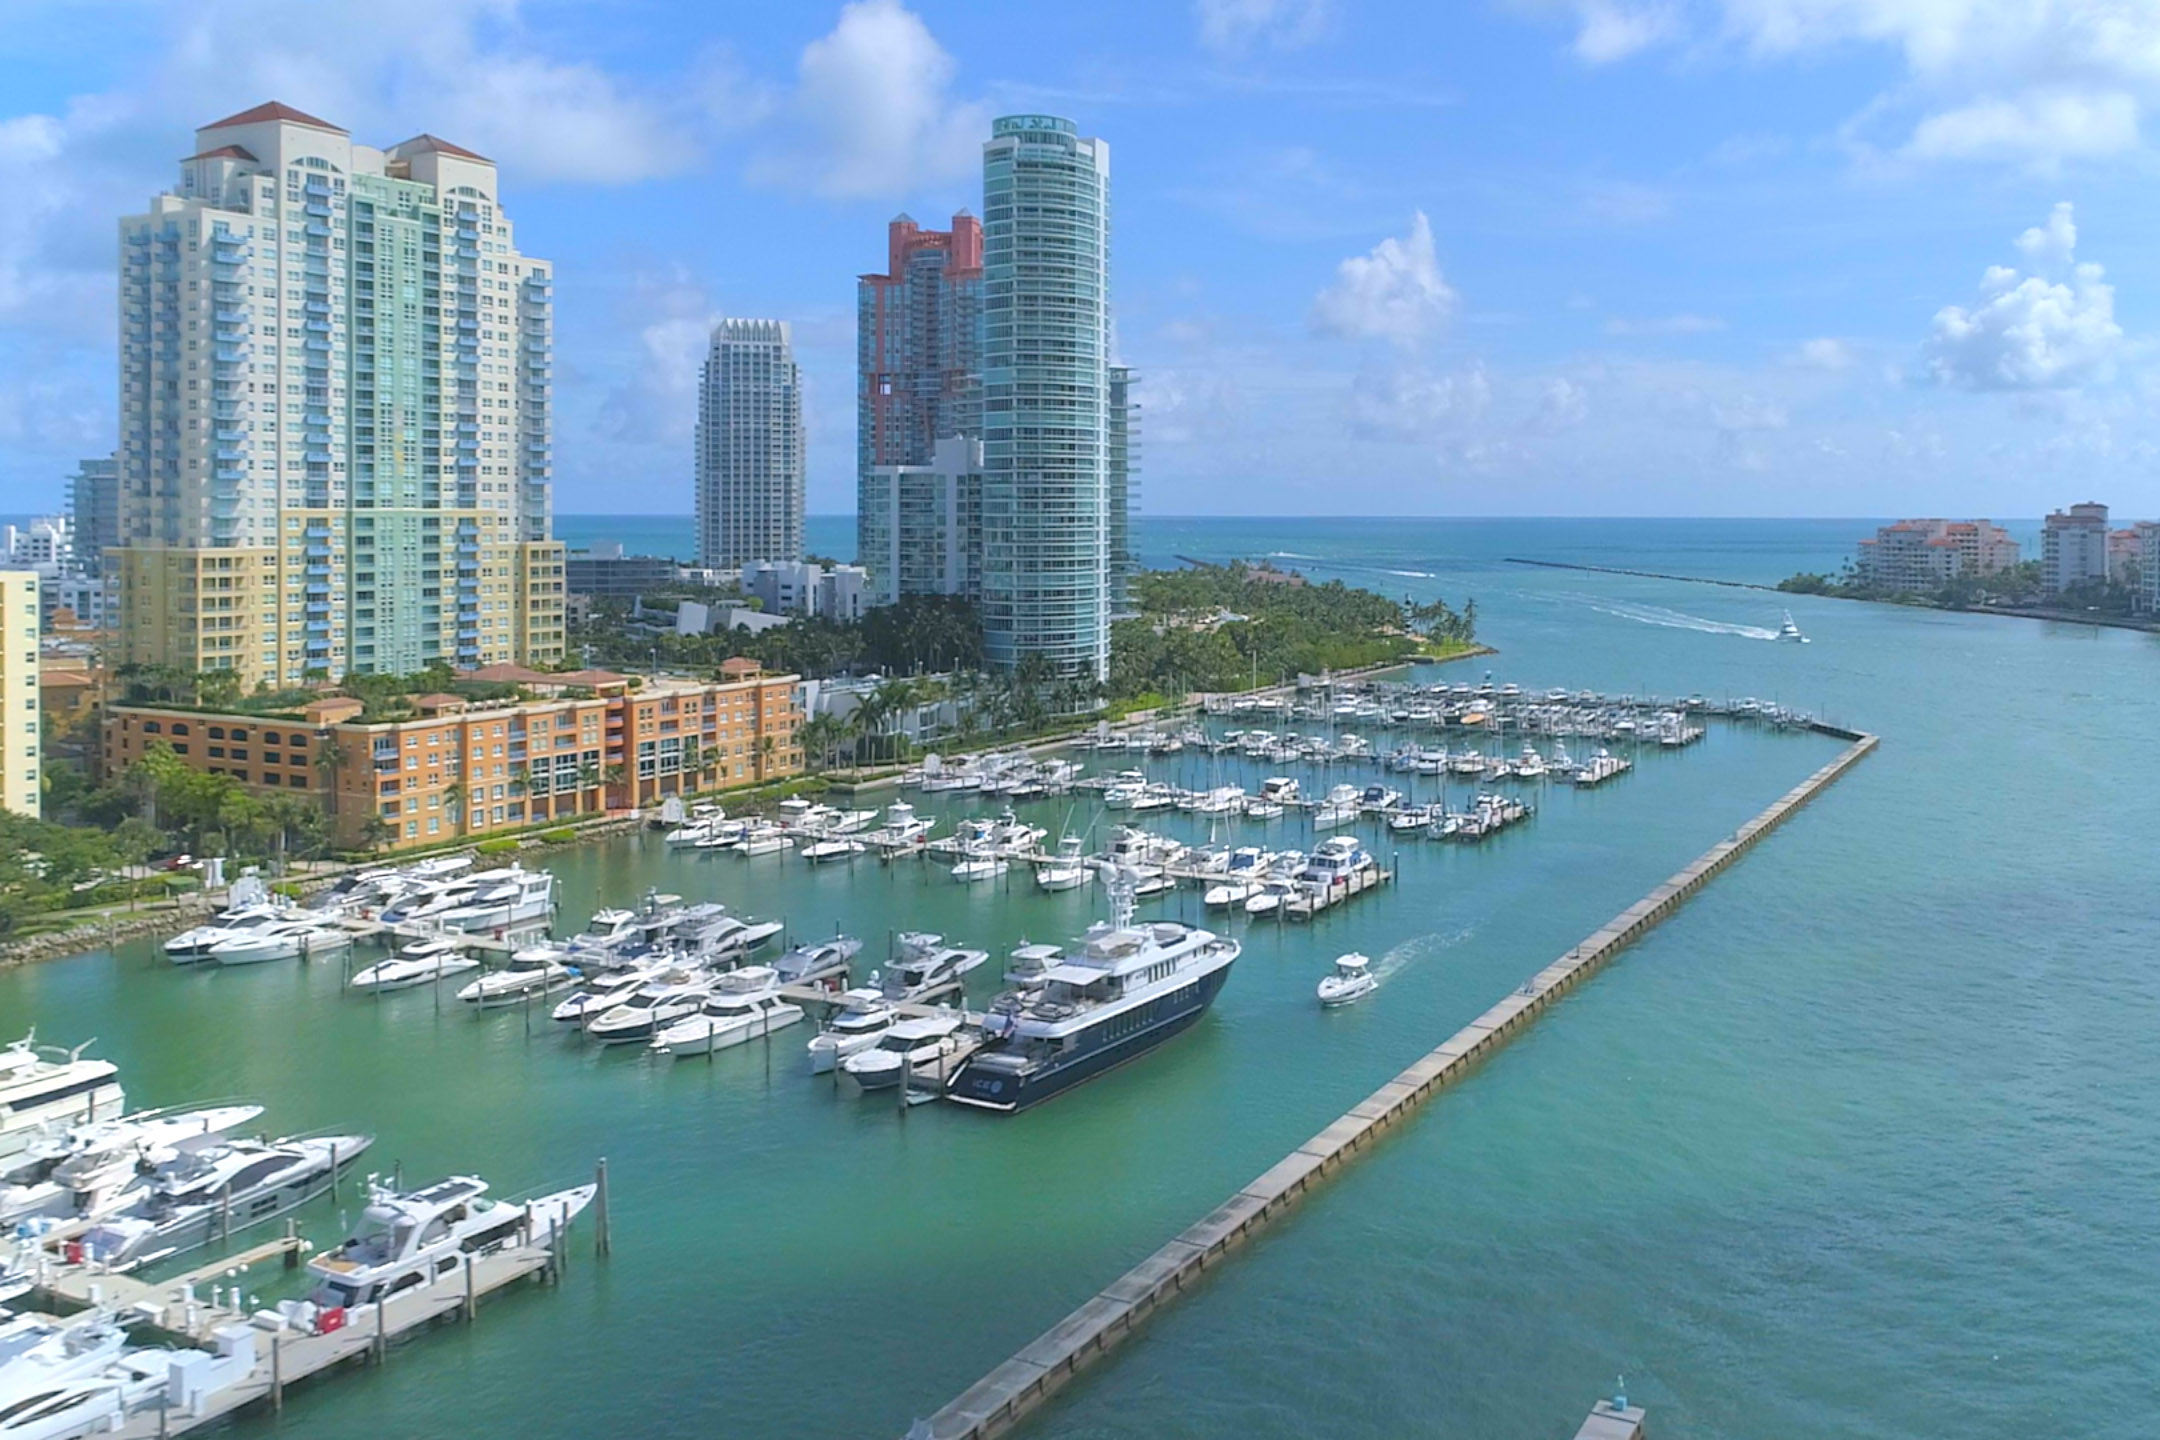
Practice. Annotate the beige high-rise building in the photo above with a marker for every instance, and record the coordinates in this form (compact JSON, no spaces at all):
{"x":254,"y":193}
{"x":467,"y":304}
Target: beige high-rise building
{"x":20,"y":736}
{"x":335,"y":417}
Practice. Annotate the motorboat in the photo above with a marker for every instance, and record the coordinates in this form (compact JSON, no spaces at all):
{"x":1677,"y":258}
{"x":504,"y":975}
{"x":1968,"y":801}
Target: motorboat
{"x":1789,"y":632}
{"x":421,"y":963}
{"x":599,"y":993}
{"x":859,"y":1025}
{"x":1600,"y":767}
{"x":850,"y":822}
{"x":1379,"y":800}
{"x":91,"y":1169}
{"x":650,"y":1008}
{"x":1068,"y":870}
{"x":1410,"y":817}
{"x":501,"y":899}
{"x":817,"y":963}
{"x":1268,"y":897}
{"x":1350,"y":981}
{"x":900,"y":826}
{"x":1335,"y":862}
{"x":1123,"y":989}
{"x":1341,"y":807}
{"x":280,"y":940}
{"x":529,"y":975}
{"x":923,"y":963}
{"x":976,"y":865}
{"x":1260,"y":808}
{"x":766,"y":839}
{"x":1530,"y":765}
{"x":407,"y":1238}
{"x":831,"y":848}
{"x":746,"y":1005}
{"x":1280,"y":790}
{"x":41,"y":1358}
{"x":43,"y":1085}
{"x":213,"y":1187}
{"x":722,"y":835}
{"x":927,"y":1050}
{"x":190,"y":946}
{"x":704,"y":823}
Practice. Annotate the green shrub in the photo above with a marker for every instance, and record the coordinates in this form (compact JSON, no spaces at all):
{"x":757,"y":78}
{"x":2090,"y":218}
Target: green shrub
{"x":560,"y":835}
{"x":501,"y":845}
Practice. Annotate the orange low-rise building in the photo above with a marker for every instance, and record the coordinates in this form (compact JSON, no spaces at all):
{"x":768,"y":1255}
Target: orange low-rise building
{"x":465,"y":769}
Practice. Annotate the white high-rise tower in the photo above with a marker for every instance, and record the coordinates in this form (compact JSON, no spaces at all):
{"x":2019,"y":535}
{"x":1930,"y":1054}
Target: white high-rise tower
{"x":335,"y":412}
{"x":750,"y":446}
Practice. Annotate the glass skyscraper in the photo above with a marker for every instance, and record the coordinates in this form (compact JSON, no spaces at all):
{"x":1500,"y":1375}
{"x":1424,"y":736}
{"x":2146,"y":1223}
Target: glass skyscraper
{"x":1046,"y":396}
{"x":750,"y":446}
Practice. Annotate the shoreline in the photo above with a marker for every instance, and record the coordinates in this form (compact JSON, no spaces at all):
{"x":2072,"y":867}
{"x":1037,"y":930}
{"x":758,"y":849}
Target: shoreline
{"x":2014,"y":612}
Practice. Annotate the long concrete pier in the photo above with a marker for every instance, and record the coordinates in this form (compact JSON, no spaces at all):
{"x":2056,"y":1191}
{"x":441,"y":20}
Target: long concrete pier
{"x":996,"y":1403}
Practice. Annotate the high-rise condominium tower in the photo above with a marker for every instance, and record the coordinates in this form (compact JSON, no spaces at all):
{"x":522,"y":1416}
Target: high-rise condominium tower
{"x":1046,"y":396}
{"x":94,"y":506}
{"x":919,"y":412}
{"x":750,"y":446}
{"x":335,"y":422}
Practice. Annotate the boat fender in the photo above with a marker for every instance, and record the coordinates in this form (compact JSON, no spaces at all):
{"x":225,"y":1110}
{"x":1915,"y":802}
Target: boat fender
{"x":331,"y":1317}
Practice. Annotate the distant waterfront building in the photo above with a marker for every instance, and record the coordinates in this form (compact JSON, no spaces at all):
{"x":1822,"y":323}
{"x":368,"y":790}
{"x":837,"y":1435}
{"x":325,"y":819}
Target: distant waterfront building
{"x":335,"y":421}
{"x":46,"y":545}
{"x":2123,"y":552}
{"x":750,"y":461}
{"x":605,"y":571}
{"x":919,"y":527}
{"x":2148,"y":591}
{"x":1046,"y":396}
{"x":2074,"y":547}
{"x":1914,"y":556}
{"x":21,"y":732}
{"x":804,"y":587}
{"x":94,"y":509}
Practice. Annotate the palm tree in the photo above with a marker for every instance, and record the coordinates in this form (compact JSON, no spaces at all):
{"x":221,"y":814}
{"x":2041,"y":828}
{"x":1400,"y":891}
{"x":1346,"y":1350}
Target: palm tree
{"x":453,"y":799}
{"x":329,"y":755}
{"x":588,"y":781}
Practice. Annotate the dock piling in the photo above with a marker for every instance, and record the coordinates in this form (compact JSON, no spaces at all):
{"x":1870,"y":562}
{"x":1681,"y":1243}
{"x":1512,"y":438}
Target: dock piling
{"x":277,"y":1376}
{"x":602,"y":1242}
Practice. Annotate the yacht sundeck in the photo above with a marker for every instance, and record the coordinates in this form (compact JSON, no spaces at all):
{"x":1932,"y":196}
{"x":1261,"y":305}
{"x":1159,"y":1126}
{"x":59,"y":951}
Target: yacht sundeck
{"x":417,"y":1237}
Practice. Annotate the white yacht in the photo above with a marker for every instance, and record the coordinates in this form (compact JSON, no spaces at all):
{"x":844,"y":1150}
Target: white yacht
{"x":901,"y":826}
{"x":597,"y":994}
{"x":1267,"y":897}
{"x":856,"y":1028}
{"x":529,"y":975}
{"x":928,"y":1049}
{"x":1068,"y":870}
{"x":923,"y":962}
{"x":1599,"y":768}
{"x":1350,"y":981}
{"x":818,"y":962}
{"x":704,"y":822}
{"x":831,"y":848}
{"x":190,"y":946}
{"x":281,"y":940}
{"x":421,"y":963}
{"x":42,"y":1085}
{"x":1123,"y":990}
{"x":42,"y":1358}
{"x":417,"y":1237}
{"x":650,"y":1008}
{"x":745,"y":1005}
{"x":1790,"y":633}
{"x":975,"y":865}
{"x":1335,"y":861}
{"x":721,"y":835}
{"x":765,"y":839}
{"x":89,"y":1170}
{"x":501,"y":899}
{"x":1339,"y":808}
{"x":213,"y":1187}
{"x":1379,"y":800}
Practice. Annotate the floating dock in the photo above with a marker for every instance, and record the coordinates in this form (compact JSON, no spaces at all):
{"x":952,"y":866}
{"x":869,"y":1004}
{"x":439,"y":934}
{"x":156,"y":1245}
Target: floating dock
{"x":1000,"y":1400}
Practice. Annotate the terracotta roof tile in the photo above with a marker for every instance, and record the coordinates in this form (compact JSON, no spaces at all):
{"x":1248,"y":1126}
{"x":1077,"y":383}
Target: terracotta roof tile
{"x":436,"y":142}
{"x":275,"y":110}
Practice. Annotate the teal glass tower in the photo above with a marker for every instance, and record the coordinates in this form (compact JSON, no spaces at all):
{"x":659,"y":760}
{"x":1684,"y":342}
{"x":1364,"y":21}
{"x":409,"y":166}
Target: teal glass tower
{"x":1046,"y":512}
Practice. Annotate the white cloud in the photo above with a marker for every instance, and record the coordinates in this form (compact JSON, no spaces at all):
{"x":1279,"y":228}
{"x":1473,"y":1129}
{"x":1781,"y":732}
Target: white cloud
{"x":1232,"y":27}
{"x":2030,"y":332}
{"x":1407,"y":403}
{"x":2024,"y":81}
{"x":1825,"y":353}
{"x":1683,"y":324}
{"x":1562,"y":405}
{"x":656,"y":403}
{"x":1395,"y":293}
{"x":872,"y":113}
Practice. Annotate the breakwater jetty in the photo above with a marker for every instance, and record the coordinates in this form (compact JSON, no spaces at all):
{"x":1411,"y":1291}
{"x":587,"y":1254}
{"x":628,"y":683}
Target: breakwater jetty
{"x":1007,"y":1395}
{"x":1639,"y":574}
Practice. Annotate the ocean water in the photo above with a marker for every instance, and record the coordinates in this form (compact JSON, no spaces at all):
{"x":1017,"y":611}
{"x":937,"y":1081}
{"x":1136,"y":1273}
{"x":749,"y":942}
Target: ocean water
{"x":1862,"y":1143}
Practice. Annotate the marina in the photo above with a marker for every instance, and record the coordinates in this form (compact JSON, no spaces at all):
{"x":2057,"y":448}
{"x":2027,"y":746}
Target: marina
{"x":994,"y":918}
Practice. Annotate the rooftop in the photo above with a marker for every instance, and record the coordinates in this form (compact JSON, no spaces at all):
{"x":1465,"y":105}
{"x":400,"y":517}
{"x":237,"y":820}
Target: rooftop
{"x":276,"y":110}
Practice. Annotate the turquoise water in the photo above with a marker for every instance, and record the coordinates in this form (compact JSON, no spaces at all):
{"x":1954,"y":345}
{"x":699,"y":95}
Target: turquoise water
{"x":1861,"y":1143}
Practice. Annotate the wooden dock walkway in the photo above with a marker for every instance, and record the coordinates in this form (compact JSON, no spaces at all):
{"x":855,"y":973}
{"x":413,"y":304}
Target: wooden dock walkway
{"x":1000,"y":1400}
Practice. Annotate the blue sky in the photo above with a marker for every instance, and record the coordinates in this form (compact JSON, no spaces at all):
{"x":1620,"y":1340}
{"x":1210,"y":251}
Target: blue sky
{"x":1743,"y":257}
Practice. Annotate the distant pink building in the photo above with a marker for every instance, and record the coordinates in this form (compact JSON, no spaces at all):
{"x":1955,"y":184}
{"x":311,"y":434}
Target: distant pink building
{"x":1920,"y":555}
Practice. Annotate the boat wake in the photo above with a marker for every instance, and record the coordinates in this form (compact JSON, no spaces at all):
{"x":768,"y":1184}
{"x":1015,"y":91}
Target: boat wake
{"x":1410,"y":574}
{"x":1417,"y":948}
{"x":1677,"y":619}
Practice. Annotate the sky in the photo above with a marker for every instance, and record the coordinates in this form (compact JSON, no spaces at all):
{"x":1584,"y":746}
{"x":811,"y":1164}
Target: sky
{"x":1456,"y":257}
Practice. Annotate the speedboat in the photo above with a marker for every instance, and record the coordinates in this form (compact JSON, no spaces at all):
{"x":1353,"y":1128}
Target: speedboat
{"x":1068,"y":871}
{"x":1351,"y":980}
{"x":818,"y":962}
{"x":929,"y":1049}
{"x":1379,"y":799}
{"x":704,"y":822}
{"x":501,"y":899}
{"x":1339,"y":808}
{"x":280,"y":940}
{"x":746,"y":1005}
{"x":1269,"y":897}
{"x":529,"y":975}
{"x":422,"y":962}
{"x":650,"y":1009}
{"x":215,"y":1186}
{"x":977,"y":865}
{"x":419,"y":1237}
{"x":1790,"y":633}
{"x":856,"y":1028}
{"x":901,"y":826}
{"x":1413,"y":817}
{"x":765,"y":839}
